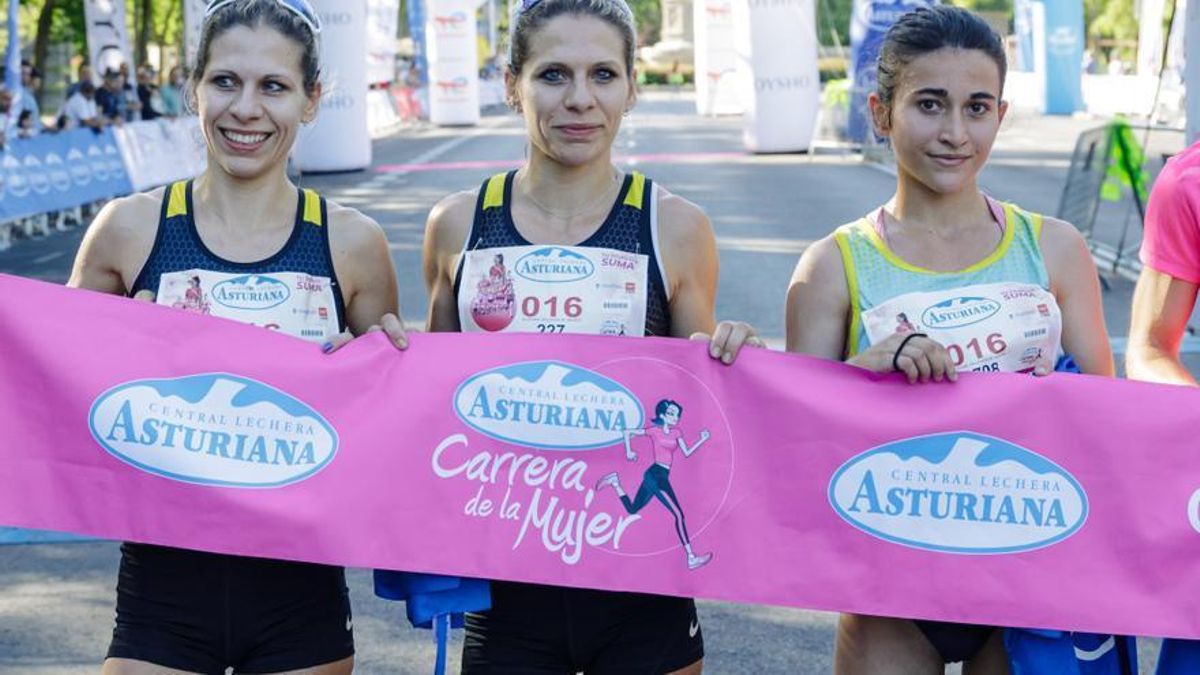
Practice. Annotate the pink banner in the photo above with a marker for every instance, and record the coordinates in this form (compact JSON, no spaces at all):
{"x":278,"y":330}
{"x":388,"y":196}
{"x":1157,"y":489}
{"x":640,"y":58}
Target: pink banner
{"x":1063,"y":502}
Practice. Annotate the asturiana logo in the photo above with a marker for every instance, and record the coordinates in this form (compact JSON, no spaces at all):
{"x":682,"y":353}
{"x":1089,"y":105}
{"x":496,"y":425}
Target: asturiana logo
{"x":959,"y":312}
{"x":959,"y":492}
{"x":253,"y":291}
{"x":549,"y":405}
{"x":554,"y":264}
{"x":213,"y":429}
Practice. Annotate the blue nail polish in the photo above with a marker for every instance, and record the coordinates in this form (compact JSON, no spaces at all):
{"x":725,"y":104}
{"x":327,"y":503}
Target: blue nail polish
{"x":327,"y":347}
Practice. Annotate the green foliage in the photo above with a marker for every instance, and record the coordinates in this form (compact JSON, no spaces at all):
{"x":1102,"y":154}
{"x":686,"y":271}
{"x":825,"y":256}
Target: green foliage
{"x":833,"y":22}
{"x":648,"y":15}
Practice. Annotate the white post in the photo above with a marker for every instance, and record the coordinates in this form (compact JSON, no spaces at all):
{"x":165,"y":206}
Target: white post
{"x":779,"y":83}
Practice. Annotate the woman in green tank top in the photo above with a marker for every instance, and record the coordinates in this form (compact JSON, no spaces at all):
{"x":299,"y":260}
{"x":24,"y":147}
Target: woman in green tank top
{"x":921,"y":285}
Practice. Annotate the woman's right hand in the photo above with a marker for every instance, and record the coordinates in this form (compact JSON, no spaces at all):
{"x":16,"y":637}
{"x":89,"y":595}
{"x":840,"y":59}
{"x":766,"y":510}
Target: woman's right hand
{"x":920,"y":358}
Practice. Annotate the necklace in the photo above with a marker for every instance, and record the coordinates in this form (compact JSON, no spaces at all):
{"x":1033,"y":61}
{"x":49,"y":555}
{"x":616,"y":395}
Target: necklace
{"x":586,"y":208}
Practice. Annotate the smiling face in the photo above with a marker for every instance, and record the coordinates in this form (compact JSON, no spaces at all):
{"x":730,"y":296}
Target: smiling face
{"x":573,"y":88}
{"x":251,"y":100}
{"x":943,"y":118}
{"x":671,"y":415}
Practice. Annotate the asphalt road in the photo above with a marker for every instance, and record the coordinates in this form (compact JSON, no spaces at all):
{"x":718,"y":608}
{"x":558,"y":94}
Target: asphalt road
{"x":56,"y":599}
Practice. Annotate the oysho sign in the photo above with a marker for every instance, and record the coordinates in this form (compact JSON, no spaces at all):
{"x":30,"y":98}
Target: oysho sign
{"x":959,"y":492}
{"x":549,"y":405}
{"x":213,"y":429}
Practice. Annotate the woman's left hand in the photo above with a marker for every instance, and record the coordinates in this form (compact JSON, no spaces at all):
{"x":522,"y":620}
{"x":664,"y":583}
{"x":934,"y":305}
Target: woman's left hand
{"x":728,"y":339}
{"x":389,"y":324}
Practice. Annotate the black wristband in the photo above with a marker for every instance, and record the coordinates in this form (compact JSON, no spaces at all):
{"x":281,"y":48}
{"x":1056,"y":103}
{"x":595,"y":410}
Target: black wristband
{"x":896,"y":356}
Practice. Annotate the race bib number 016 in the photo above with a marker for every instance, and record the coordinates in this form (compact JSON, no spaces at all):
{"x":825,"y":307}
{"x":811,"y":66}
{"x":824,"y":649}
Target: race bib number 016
{"x":1005,"y":327}
{"x":300,"y":305}
{"x":553,"y":289}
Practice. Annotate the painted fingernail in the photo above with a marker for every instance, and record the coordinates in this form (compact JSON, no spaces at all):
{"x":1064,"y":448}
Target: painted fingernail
{"x":327,"y":347}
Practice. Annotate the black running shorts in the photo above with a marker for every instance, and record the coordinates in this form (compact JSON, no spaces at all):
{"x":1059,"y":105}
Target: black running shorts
{"x":204,"y":612}
{"x":546,"y":629}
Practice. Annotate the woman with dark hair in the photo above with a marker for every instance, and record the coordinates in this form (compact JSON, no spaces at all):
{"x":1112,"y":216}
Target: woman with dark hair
{"x":570,"y":74}
{"x":256,"y":81}
{"x":943,"y":254}
{"x":656,"y":483}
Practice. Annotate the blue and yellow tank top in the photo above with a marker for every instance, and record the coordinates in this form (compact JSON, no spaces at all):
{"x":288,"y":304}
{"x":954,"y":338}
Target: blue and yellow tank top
{"x":178,"y":246}
{"x":631,"y":226}
{"x":1004,"y":298}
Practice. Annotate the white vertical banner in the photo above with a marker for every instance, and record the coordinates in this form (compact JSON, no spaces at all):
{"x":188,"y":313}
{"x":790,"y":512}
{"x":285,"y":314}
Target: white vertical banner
{"x":778,"y":81}
{"x":107,"y":35}
{"x":1191,"y":66}
{"x":339,"y":139}
{"x":1151,"y":37}
{"x":716,"y":58}
{"x":383,"y":23}
{"x":452,"y":46}
{"x":193,"y":23}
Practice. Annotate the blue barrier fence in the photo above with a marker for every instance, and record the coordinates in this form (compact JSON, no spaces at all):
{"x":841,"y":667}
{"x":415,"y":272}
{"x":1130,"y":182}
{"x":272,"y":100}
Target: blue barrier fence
{"x":55,"y":172}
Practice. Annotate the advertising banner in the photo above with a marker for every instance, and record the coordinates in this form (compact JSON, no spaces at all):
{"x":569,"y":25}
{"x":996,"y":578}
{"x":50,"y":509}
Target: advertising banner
{"x":162,"y":151}
{"x":451,"y":40}
{"x":54,"y":172}
{"x":339,"y":139}
{"x":869,"y":21}
{"x":383,"y":24}
{"x":193,"y":22}
{"x":107,"y":35}
{"x":776,"y":43}
{"x":715,"y":59}
{"x":1064,"y":56}
{"x":607,"y":462}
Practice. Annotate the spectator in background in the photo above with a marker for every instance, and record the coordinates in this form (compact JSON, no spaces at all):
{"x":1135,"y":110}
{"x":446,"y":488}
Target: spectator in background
{"x":133,"y":105}
{"x":85,"y":75}
{"x":8,"y":128}
{"x":31,"y":82}
{"x":110,"y":98}
{"x":147,"y":92}
{"x":25,"y":125}
{"x":172,"y":92}
{"x":81,"y":109}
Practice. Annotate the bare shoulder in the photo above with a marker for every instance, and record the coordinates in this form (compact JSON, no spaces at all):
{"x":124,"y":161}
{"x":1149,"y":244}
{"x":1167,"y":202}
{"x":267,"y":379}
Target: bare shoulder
{"x":130,"y":219}
{"x":1060,"y":238}
{"x":450,"y":221}
{"x":118,"y":242}
{"x":351,"y":229}
{"x":680,"y":221}
{"x":820,"y":262}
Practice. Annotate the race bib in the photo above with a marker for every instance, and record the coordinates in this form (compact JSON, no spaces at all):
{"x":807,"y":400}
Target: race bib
{"x":1004,"y":327}
{"x":553,"y":289}
{"x":300,"y":305}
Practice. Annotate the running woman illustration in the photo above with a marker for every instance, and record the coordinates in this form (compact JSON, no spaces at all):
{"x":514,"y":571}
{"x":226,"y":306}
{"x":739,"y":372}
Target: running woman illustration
{"x":666,"y":439}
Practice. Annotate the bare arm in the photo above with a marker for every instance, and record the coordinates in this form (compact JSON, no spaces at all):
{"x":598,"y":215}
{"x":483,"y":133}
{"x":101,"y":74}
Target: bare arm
{"x":628,"y":435}
{"x":363,"y":264}
{"x":1076,"y":286}
{"x":117,"y":244}
{"x":818,"y":303}
{"x":818,"y":316}
{"x":446,"y":231}
{"x":689,"y":250}
{"x":687,"y":452}
{"x":1162,"y":305}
